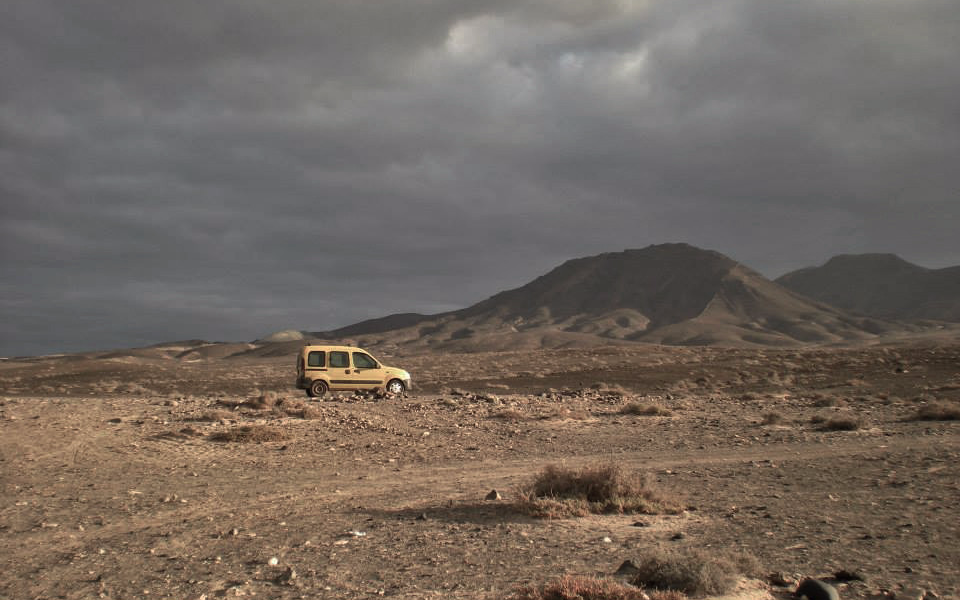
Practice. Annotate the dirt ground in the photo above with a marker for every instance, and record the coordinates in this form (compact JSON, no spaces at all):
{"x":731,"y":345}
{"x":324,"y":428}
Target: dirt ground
{"x":115,"y":485}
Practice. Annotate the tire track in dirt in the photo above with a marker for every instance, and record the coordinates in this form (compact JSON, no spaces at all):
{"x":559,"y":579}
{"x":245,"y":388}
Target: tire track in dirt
{"x":421,"y":486}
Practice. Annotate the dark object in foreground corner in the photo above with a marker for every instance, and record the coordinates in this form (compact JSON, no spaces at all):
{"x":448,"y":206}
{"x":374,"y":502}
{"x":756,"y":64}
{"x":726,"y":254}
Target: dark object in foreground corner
{"x":814,"y":589}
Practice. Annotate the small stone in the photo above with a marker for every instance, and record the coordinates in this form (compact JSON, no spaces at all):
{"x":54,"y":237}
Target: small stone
{"x":781,"y":579}
{"x":845,"y":575}
{"x":422,"y":517}
{"x":494,"y":495}
{"x":287,"y":576}
{"x":911,"y":593}
{"x":680,"y":535}
{"x":274,"y":561}
{"x":814,"y":589}
{"x":606,"y":540}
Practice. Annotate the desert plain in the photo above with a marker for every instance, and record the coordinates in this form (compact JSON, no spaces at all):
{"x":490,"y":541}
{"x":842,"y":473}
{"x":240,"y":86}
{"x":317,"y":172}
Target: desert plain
{"x":127,"y":475}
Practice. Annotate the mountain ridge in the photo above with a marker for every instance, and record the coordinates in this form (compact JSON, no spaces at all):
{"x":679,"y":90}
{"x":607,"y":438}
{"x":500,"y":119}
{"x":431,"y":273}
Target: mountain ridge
{"x":882,"y":286}
{"x":668,"y":293}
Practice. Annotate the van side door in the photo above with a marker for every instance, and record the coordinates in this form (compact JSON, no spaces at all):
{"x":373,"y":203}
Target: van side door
{"x":341,"y":375}
{"x":368,"y":372}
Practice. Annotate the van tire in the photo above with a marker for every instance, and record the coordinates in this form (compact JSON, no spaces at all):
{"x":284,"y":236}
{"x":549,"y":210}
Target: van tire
{"x":317,"y":388}
{"x":395,"y":386}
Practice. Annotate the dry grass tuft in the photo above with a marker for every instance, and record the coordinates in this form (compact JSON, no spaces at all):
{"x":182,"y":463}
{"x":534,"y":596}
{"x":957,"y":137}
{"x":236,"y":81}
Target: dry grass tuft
{"x":644,"y":410}
{"x":215,"y":415}
{"x":308,"y":412}
{"x":938,"y":411}
{"x":562,"y":412}
{"x":250,"y":433}
{"x":579,"y":587}
{"x":510,"y":414}
{"x":558,"y":492}
{"x":772,"y":418}
{"x":842,"y":423}
{"x":262,"y":401}
{"x":828,"y":401}
{"x":694,"y":572}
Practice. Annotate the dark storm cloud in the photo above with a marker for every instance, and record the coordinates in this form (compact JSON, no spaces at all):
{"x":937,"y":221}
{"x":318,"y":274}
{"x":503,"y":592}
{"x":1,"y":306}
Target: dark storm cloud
{"x":225,"y":169}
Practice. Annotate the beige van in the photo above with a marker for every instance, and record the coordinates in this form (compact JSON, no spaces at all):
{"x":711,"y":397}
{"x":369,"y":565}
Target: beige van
{"x":322,"y":368}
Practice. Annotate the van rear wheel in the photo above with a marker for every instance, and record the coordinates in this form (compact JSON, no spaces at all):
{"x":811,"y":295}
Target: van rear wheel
{"x":317,"y":388}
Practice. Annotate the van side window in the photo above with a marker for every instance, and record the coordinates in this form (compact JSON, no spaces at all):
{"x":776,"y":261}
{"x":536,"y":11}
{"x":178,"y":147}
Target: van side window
{"x":339,"y":359}
{"x":363,"y":361}
{"x":315,"y":359}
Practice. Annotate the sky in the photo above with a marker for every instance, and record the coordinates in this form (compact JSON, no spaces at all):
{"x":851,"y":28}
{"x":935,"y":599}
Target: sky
{"x":226,"y":169}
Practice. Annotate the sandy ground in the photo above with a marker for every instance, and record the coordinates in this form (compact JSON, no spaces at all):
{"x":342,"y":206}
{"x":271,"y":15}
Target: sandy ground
{"x":114,"y":486}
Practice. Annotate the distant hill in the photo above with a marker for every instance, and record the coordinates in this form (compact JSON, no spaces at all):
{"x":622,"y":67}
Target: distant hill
{"x":669,"y":293}
{"x":672,"y":294}
{"x":881,"y":285}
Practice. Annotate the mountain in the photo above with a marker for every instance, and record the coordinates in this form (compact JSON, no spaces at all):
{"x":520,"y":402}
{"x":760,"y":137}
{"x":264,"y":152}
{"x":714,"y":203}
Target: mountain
{"x":881,"y":285}
{"x":669,"y":293}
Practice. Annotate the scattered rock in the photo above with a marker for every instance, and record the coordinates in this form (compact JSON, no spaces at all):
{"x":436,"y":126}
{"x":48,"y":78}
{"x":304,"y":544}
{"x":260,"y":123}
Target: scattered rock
{"x":627,"y":568}
{"x":781,"y":579}
{"x":288,"y":575}
{"x":845,"y":575}
{"x":912,"y":593}
{"x":422,"y":517}
{"x":680,"y":535}
{"x":274,"y":561}
{"x":814,"y":589}
{"x":494,"y":495}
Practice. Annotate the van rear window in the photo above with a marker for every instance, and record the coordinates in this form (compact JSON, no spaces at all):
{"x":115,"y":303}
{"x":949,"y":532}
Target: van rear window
{"x":315,"y":359}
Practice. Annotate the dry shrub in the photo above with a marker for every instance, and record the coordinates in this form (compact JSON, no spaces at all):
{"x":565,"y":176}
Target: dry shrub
{"x":560,"y":492}
{"x":215,"y":415}
{"x":611,"y":389}
{"x":694,"y":572}
{"x":772,"y":418}
{"x":262,"y":401}
{"x":938,"y":411}
{"x":292,"y":408}
{"x":644,"y":409}
{"x":510,"y":414}
{"x":828,"y":401}
{"x":250,"y":433}
{"x":842,"y":423}
{"x":308,"y":412}
{"x":579,"y":587}
{"x":561,"y":412}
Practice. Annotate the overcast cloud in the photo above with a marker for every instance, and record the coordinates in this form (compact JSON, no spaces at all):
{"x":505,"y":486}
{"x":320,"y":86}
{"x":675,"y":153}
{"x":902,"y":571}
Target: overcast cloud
{"x":225,"y":169}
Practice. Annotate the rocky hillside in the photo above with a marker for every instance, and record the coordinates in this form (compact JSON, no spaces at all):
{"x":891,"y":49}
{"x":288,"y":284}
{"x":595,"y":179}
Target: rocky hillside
{"x":881,"y":285}
{"x":669,"y":293}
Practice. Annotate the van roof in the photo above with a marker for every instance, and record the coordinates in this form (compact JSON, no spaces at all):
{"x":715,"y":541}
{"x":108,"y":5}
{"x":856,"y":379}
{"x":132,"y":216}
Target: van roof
{"x":330,"y":347}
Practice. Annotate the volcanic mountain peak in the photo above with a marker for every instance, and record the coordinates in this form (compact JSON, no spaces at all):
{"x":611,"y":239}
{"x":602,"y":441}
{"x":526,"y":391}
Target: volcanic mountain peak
{"x":667,"y":293}
{"x":666,"y":283}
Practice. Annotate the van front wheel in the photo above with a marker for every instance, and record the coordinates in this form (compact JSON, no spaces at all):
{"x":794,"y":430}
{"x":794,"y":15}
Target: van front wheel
{"x":396,"y":386}
{"x":317,"y":388}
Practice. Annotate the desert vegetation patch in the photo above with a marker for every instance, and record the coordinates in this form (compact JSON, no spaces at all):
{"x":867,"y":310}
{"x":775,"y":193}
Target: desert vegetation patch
{"x":558,"y":492}
{"x":250,"y":433}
